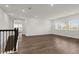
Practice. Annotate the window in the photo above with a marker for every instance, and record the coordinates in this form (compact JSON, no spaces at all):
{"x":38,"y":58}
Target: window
{"x":74,"y":25}
{"x":68,"y":25}
{"x":59,"y":25}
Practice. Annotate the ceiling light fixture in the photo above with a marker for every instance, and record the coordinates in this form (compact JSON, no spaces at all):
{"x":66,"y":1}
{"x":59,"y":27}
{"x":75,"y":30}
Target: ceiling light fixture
{"x":36,"y":16}
{"x":23,"y":10}
{"x":6,"y":5}
{"x":51,"y":5}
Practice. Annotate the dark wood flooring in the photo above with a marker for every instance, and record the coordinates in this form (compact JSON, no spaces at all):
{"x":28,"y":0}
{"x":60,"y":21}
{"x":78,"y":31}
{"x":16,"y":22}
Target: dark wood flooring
{"x":48,"y":44}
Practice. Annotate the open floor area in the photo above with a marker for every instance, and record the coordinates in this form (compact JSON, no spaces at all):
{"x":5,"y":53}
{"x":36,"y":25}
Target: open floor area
{"x":48,"y":44}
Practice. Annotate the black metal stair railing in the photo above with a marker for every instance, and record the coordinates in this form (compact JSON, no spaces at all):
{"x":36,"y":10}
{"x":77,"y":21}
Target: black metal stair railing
{"x":8,"y":40}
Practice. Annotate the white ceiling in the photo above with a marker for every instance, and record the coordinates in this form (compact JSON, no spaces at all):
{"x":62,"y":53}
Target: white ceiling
{"x":41,"y":11}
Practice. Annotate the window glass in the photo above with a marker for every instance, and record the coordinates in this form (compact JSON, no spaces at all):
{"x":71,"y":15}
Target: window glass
{"x":68,"y":25}
{"x":74,"y":25}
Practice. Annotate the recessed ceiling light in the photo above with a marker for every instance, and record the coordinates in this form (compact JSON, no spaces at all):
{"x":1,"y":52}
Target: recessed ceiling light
{"x":51,"y":5}
{"x":23,"y":10}
{"x":50,"y":18}
{"x":36,"y":16}
{"x":6,"y":5}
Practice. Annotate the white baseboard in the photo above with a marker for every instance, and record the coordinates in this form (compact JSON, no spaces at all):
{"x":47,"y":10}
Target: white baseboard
{"x":8,"y":52}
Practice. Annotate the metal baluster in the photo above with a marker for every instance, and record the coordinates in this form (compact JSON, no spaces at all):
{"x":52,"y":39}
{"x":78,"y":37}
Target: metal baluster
{"x":13,"y":40}
{"x":6,"y":41}
{"x":9,"y":41}
{"x":3,"y":41}
{"x":0,"y":41}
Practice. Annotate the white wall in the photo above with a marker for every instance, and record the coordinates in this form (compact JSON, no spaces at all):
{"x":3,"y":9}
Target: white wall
{"x":4,"y":20}
{"x":11,"y":22}
{"x":4,"y":24}
{"x":74,"y":34}
{"x":37,"y":27}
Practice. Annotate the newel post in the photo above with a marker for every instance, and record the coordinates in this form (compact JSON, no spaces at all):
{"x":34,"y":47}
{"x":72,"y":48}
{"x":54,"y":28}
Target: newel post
{"x":16,"y":38}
